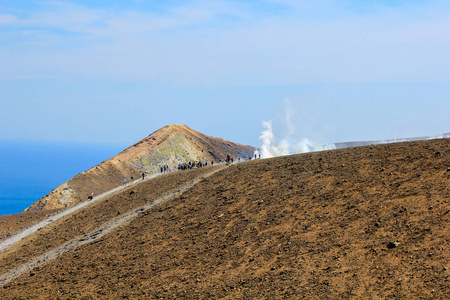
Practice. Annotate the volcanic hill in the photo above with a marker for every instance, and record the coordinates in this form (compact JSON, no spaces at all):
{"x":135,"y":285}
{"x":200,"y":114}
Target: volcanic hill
{"x":369,"y":222}
{"x":170,"y":145}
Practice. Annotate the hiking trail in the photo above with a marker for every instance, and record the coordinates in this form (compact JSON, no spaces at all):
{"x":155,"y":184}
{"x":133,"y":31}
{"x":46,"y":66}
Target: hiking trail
{"x":94,"y":234}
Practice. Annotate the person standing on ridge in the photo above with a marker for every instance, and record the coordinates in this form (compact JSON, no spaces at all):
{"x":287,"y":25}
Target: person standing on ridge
{"x":143,"y":175}
{"x":124,"y":180}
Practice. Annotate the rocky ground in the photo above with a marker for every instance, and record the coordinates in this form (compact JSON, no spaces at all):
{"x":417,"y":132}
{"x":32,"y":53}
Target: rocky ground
{"x":361,"y":223}
{"x":170,"y":145}
{"x":11,"y":224}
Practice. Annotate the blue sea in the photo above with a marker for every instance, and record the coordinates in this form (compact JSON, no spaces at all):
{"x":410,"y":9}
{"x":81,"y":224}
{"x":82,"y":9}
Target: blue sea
{"x":30,"y":170}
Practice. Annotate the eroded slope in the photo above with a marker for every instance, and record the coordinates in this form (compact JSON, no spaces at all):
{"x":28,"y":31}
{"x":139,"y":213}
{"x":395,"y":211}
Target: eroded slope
{"x":361,"y":223}
{"x":170,"y":145}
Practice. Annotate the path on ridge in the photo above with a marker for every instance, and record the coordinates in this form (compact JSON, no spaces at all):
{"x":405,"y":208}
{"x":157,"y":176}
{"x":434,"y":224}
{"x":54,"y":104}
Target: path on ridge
{"x":7,"y":243}
{"x":96,"y":233}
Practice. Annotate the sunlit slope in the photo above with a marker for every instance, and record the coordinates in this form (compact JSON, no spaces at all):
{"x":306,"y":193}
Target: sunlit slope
{"x":362,"y":223}
{"x":170,"y":145}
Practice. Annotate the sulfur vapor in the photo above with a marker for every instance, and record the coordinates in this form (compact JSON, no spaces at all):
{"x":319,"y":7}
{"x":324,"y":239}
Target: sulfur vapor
{"x":271,"y":146}
{"x":283,"y":141}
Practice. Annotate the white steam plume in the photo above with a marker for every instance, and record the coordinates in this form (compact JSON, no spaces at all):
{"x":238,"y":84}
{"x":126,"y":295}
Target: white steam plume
{"x":272,"y":146}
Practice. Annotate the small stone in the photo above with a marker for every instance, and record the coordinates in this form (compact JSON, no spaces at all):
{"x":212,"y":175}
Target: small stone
{"x":391,"y":245}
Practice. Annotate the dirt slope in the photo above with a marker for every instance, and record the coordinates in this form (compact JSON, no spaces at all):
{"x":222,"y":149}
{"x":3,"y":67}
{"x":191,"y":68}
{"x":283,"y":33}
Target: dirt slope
{"x":170,"y":145}
{"x":361,"y":223}
{"x":10,"y":224}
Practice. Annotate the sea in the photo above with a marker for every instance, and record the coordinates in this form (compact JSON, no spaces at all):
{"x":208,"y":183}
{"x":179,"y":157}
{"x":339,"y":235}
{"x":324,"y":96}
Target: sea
{"x":30,"y":170}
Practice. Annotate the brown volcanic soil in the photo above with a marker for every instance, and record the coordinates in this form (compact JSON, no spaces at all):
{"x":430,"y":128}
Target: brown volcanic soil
{"x":170,"y":145}
{"x":10,"y":224}
{"x":83,"y":221}
{"x":312,"y":226}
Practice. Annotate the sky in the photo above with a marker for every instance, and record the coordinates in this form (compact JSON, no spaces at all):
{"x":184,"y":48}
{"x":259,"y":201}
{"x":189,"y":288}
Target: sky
{"x":112,"y":72}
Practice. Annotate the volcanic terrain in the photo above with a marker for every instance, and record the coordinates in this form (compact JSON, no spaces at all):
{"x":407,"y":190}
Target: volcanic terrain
{"x":170,"y":145}
{"x":369,"y":222}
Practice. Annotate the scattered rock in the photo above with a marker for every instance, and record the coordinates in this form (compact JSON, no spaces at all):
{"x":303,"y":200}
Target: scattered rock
{"x":391,"y":245}
{"x":191,"y":238}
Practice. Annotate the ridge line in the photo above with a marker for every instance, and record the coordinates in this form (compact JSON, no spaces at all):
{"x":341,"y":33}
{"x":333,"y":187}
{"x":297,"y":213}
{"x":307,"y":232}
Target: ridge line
{"x":97,"y":232}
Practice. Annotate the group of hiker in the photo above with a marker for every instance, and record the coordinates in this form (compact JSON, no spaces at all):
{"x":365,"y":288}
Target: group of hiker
{"x":132,"y":178}
{"x":193,"y":164}
{"x":199,"y":164}
{"x":184,"y":166}
{"x":165,"y":169}
{"x":181,"y":167}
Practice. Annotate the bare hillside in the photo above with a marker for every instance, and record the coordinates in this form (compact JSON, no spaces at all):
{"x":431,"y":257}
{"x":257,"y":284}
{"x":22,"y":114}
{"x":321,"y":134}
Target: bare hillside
{"x":170,"y":145}
{"x":360,"y":223}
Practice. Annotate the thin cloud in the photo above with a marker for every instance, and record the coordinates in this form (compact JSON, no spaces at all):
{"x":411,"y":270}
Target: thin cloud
{"x":222,"y":43}
{"x":7,"y":19}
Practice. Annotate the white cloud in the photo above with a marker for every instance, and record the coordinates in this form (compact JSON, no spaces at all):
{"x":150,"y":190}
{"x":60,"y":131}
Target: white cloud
{"x":7,"y":19}
{"x":227,"y":43}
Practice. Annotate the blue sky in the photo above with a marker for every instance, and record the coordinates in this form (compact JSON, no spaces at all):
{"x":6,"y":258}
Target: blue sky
{"x":115,"y":71}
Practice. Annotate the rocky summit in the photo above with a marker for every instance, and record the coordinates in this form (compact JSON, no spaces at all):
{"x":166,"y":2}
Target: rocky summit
{"x":368,"y":222}
{"x":170,"y":145}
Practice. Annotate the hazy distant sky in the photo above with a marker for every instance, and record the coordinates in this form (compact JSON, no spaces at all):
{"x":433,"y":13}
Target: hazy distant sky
{"x":331,"y":71}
